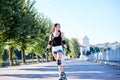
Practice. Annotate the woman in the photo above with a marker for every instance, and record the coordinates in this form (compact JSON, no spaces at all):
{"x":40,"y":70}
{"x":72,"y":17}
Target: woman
{"x":56,"y":40}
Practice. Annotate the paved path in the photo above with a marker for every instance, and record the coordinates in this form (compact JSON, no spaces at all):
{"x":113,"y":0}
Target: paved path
{"x":75,"y":70}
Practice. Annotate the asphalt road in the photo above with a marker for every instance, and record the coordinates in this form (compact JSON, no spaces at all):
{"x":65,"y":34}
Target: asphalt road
{"x":75,"y":69}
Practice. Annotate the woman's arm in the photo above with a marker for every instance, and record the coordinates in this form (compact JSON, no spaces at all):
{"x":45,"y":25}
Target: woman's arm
{"x":49,"y":43}
{"x":64,"y":43}
{"x":63,"y":40}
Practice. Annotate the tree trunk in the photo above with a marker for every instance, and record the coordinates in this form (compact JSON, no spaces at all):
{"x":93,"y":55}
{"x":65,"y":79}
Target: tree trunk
{"x":10,"y":56}
{"x":0,"y":59}
{"x":32,"y":57}
{"x":47,"y":56}
{"x":37,"y":57}
{"x":23,"y":55}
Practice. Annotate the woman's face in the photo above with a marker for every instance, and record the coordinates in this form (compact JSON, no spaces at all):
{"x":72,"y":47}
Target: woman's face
{"x":57,"y":27}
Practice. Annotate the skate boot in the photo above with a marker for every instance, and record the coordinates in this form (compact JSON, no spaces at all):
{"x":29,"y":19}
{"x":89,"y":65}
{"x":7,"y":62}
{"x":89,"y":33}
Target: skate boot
{"x":62,"y":76}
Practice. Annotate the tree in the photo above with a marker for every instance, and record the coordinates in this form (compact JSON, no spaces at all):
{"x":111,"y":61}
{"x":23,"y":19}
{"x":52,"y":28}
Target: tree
{"x":28,"y":27}
{"x":40,"y":43}
{"x":97,"y":49}
{"x":39,"y":28}
{"x":18,"y":24}
{"x":1,"y":53}
{"x":21,"y":26}
{"x":74,"y":46}
{"x":14,"y":22}
{"x":92,"y":49}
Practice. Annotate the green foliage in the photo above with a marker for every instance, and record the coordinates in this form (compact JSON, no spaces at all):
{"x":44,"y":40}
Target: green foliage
{"x":104,"y":49}
{"x":22,"y":27}
{"x":92,"y":49}
{"x":74,"y":46}
{"x":97,"y":49}
{"x":67,"y":42}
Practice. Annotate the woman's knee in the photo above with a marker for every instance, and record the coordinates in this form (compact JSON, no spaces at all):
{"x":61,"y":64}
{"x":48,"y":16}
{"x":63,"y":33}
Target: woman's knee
{"x":59,"y":56}
{"x":59,"y":62}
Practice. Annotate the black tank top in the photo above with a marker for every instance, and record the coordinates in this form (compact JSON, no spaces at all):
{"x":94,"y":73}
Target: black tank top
{"x":57,"y":41}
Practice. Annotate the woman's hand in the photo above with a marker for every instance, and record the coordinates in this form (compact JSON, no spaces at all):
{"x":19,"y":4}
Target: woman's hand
{"x":68,"y":50}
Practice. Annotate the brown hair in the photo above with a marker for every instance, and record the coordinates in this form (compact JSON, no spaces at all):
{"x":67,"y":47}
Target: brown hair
{"x":53,"y":27}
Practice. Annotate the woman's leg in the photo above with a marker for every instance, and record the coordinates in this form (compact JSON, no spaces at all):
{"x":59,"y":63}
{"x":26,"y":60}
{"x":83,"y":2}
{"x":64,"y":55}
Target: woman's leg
{"x":62,"y":75}
{"x":55,"y":56}
{"x":58,"y":58}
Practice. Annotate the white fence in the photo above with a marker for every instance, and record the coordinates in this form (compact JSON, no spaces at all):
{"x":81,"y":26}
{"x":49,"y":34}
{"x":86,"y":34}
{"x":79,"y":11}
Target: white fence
{"x":109,"y":55}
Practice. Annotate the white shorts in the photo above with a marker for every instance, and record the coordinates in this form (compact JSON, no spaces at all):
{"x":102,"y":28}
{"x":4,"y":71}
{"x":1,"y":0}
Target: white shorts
{"x":57,"y":49}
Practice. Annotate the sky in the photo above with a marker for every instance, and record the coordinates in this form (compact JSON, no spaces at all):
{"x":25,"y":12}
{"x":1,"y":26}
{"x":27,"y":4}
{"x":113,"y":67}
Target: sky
{"x":97,"y":19}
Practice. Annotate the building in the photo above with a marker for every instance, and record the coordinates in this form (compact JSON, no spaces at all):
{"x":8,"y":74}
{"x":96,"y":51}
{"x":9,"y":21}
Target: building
{"x":110,"y":45}
{"x":84,"y":45}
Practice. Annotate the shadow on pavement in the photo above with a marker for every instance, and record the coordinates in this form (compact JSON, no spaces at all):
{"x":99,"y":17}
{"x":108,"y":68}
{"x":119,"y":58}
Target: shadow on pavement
{"x":31,"y":75}
{"x":74,"y":70}
{"x":46,"y":68}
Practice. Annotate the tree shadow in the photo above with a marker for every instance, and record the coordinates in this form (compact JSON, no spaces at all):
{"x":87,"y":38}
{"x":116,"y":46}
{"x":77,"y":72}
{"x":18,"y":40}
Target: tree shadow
{"x":75,"y":70}
{"x":31,"y":75}
{"x":45,"y":68}
{"x":93,"y":71}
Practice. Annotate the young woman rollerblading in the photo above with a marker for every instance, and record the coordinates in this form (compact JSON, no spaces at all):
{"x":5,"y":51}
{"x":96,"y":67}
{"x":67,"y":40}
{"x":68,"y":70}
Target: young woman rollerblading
{"x":56,"y":40}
